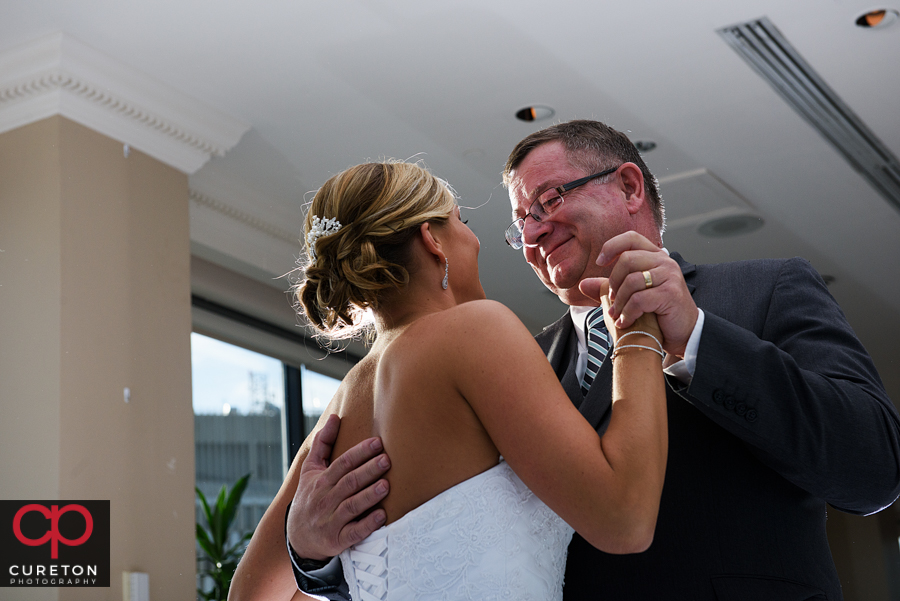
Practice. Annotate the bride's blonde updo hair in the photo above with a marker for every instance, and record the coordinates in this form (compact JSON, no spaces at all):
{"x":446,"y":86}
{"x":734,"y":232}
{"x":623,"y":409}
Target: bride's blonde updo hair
{"x":380,"y":207}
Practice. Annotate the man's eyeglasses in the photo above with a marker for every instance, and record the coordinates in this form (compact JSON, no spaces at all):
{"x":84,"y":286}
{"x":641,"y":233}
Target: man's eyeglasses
{"x":545,"y":206}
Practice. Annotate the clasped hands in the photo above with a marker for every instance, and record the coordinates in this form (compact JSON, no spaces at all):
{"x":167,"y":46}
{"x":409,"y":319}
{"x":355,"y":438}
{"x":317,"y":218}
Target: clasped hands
{"x":630,"y":296}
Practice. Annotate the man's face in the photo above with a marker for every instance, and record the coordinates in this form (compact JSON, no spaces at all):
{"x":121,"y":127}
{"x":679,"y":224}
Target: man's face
{"x":563,"y":248}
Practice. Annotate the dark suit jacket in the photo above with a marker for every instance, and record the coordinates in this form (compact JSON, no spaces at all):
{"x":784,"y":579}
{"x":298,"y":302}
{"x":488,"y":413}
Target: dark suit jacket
{"x":785,"y":412}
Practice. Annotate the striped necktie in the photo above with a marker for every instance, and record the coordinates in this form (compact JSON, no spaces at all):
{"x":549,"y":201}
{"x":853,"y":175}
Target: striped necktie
{"x":598,"y":346}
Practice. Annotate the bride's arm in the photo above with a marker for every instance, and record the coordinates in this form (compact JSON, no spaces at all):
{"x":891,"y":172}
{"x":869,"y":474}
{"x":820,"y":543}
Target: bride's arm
{"x":607,"y":488}
{"x":264,"y":571}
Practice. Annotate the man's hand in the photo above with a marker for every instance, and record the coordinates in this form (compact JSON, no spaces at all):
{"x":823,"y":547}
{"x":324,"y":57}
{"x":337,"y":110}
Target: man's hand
{"x":667,"y":297}
{"x":323,"y":518}
{"x":598,"y":290}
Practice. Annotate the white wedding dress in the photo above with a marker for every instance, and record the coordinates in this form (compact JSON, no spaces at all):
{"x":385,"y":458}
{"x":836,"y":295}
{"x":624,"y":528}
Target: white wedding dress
{"x":488,"y":537}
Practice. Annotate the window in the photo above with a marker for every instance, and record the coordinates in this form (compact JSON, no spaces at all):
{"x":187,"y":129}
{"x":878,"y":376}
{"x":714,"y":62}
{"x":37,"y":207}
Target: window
{"x":238,"y":398}
{"x":256,"y":380}
{"x":244,"y":407}
{"x":318,"y":389}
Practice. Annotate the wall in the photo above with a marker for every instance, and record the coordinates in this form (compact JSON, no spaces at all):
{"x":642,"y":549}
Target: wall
{"x":94,"y":298}
{"x":30,"y":317}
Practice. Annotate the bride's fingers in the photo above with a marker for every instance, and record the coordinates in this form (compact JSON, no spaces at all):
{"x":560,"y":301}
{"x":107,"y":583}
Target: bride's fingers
{"x":607,"y":317}
{"x":594,"y":288}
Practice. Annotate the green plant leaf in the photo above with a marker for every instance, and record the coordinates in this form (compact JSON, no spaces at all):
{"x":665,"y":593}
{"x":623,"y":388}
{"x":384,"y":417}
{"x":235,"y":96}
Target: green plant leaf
{"x":234,"y":499}
{"x":204,"y":505}
{"x":207,"y":545}
{"x":218,"y":526}
{"x":213,"y":539}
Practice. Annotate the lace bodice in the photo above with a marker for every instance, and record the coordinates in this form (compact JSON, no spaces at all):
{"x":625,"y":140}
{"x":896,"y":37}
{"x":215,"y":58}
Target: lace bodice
{"x":488,"y":537}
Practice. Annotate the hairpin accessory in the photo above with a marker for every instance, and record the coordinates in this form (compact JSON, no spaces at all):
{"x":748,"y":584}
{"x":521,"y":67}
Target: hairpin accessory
{"x":320,"y":227}
{"x":446,"y":281}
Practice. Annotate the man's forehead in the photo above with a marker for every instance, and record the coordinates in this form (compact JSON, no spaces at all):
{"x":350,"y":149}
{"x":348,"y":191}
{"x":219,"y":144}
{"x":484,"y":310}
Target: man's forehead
{"x":518,"y":193}
{"x":545,"y":166}
{"x":526,"y":187}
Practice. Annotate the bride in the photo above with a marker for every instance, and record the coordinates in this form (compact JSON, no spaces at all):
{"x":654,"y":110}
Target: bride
{"x":491,"y":464}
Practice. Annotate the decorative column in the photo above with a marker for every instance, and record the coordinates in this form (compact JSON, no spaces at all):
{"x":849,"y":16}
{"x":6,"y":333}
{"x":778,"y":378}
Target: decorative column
{"x":95,"y":314}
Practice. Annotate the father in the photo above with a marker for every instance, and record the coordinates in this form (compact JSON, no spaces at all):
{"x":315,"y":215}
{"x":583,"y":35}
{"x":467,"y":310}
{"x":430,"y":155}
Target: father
{"x":775,"y":408}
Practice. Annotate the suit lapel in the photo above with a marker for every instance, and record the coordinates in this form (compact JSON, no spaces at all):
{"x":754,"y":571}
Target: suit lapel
{"x":597,"y":403}
{"x":687,"y":269}
{"x":553,"y":340}
{"x":560,"y":343}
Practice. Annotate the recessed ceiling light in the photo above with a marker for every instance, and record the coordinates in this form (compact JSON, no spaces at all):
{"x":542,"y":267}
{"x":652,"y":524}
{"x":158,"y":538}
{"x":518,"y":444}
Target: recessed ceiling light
{"x":535,"y":113}
{"x":877,"y":18}
{"x":730,"y":225}
{"x":645,"y":145}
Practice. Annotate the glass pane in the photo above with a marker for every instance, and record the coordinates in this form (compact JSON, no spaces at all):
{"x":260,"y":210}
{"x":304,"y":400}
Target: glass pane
{"x":238,"y":399}
{"x":317,"y":393}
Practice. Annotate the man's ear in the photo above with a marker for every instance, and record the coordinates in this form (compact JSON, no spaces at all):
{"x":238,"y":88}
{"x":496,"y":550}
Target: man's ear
{"x":632,"y":184}
{"x":431,"y":241}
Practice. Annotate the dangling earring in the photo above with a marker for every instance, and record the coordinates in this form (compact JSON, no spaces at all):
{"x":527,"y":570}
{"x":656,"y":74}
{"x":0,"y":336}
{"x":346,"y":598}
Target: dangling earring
{"x":445,"y":282}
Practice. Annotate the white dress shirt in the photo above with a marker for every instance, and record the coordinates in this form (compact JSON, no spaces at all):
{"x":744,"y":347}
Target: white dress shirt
{"x":683,"y":370}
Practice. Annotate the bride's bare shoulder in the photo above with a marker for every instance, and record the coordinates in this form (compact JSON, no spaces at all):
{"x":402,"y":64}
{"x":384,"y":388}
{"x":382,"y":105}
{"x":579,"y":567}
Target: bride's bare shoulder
{"x":477,"y":322}
{"x":482,"y":310}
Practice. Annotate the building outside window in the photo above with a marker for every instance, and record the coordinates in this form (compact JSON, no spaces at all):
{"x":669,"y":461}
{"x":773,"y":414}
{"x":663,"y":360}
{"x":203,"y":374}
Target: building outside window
{"x":241,"y":401}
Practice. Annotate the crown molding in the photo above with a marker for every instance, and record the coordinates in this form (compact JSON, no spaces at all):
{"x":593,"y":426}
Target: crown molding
{"x":58,"y":75}
{"x":243,"y":217}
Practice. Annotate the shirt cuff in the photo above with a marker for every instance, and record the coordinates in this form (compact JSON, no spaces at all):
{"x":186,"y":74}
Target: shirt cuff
{"x":683,"y":370}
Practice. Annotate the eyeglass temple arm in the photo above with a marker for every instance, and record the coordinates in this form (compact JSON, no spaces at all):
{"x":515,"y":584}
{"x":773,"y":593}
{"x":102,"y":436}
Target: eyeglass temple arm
{"x":582,"y":181}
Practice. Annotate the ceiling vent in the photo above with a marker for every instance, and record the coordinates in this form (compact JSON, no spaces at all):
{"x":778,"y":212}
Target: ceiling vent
{"x":762,"y":45}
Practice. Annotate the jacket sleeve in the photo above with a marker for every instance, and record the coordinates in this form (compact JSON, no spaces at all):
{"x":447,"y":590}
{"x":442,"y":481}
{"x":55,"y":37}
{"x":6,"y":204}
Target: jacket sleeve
{"x":324,"y":580}
{"x":797,"y":386}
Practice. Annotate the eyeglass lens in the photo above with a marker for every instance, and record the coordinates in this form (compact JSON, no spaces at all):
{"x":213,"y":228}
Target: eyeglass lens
{"x":544,"y":208}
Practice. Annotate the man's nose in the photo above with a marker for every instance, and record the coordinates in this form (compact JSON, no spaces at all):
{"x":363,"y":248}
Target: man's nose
{"x":534,"y":230}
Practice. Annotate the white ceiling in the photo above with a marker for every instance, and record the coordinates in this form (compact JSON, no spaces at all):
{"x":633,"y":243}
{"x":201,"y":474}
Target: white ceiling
{"x":324,"y":85}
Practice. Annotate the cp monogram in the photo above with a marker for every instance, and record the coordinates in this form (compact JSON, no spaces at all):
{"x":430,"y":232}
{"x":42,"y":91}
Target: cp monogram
{"x":53,"y":534}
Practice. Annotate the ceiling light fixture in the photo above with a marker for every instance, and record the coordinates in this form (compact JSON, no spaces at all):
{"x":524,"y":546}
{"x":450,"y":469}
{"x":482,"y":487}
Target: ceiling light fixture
{"x":644,"y":146}
{"x":730,"y":226}
{"x":772,"y":56}
{"x":535,"y":113}
{"x":877,"y":18}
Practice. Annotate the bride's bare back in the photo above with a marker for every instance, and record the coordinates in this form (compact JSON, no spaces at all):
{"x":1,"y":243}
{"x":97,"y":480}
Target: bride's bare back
{"x":402,"y":392}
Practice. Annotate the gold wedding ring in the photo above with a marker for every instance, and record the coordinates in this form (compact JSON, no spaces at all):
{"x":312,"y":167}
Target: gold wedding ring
{"x":648,"y":281}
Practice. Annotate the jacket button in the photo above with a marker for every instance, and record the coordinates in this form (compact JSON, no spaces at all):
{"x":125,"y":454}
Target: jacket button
{"x":740,"y":408}
{"x":751,"y":415}
{"x":730,"y":402}
{"x":718,"y":396}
